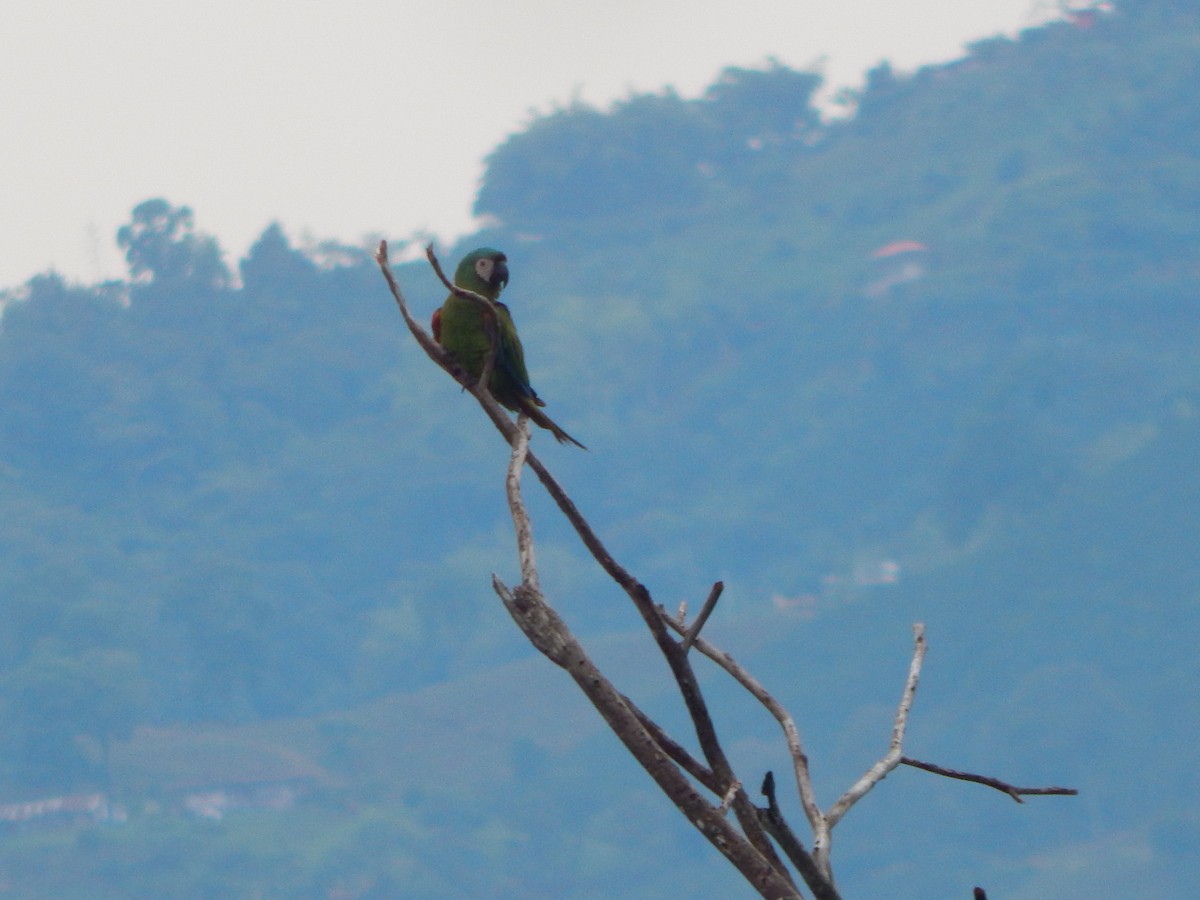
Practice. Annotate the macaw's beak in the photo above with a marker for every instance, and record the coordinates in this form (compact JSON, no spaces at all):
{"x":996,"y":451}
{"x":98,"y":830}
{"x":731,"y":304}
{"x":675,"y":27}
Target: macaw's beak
{"x":499,"y":277}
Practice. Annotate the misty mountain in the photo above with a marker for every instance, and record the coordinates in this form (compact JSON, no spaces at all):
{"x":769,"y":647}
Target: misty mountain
{"x":934,"y":360}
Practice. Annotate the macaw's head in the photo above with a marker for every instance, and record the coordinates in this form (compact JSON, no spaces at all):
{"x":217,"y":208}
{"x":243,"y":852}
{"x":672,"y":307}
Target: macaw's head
{"x":484,"y":271}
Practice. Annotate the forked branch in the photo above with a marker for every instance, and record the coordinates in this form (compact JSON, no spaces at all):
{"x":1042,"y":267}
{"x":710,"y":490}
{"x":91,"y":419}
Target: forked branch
{"x":676,"y":658}
{"x":891,"y":759}
{"x":667,"y":761}
{"x":547,"y":631}
{"x":689,"y":636}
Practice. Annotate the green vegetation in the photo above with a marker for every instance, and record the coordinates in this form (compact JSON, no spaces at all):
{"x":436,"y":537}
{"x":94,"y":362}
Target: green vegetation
{"x":248,"y":528}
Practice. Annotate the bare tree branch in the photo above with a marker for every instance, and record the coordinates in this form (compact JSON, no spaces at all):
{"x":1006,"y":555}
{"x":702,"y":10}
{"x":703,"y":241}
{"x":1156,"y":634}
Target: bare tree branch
{"x":546,"y":630}
{"x":677,"y":659}
{"x":791,"y":734}
{"x":664,"y":758}
{"x":673,"y":749}
{"x":710,"y":604}
{"x":689,"y":688}
{"x":521,"y":524}
{"x":822,"y":823}
{"x":777,"y":826}
{"x":1003,"y":786}
{"x":428,"y":344}
{"x":891,"y":759}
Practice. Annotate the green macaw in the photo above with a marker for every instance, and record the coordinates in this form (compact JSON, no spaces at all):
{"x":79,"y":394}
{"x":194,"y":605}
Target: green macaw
{"x":459,"y":327}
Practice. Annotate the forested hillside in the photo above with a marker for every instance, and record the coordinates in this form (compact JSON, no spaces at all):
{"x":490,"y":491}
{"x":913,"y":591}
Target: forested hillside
{"x":936,"y":360}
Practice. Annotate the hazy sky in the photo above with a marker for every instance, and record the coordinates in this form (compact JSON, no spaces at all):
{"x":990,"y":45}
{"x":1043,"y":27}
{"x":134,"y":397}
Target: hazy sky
{"x":343,"y":119}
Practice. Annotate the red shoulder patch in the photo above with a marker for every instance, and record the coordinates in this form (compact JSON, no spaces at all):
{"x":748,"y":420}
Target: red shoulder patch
{"x":437,"y":325}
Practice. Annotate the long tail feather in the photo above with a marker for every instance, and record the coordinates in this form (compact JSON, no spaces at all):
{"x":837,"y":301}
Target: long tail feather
{"x":550,"y":425}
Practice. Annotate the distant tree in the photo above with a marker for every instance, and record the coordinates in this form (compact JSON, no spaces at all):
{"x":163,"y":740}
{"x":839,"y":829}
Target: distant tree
{"x":772,"y":103}
{"x":273,"y":262}
{"x":161,"y":244}
{"x":579,"y":160}
{"x":51,"y":345}
{"x":650,"y":151}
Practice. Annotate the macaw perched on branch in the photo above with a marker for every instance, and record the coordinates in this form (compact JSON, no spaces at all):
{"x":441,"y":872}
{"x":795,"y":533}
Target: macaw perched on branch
{"x":462,"y":326}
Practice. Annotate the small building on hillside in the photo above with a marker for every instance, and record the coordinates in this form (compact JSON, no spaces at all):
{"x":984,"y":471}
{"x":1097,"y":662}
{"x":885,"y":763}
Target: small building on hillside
{"x":894,"y":264}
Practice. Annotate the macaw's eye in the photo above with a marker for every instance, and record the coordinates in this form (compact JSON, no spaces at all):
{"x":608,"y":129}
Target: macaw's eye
{"x":484,"y":268}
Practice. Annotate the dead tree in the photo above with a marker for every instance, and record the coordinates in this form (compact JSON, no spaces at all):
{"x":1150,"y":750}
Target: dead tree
{"x":706,"y":789}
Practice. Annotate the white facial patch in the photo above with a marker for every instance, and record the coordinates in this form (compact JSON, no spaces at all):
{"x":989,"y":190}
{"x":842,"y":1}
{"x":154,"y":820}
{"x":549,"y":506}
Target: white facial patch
{"x":484,"y":268}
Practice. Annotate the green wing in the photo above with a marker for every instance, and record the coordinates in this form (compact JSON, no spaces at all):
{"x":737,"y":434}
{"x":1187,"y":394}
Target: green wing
{"x":511,"y":379}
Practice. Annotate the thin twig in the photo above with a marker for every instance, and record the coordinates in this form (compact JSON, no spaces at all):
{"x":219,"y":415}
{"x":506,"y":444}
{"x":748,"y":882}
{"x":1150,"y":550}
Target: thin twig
{"x":428,"y":344}
{"x":891,"y":759}
{"x":910,"y":687}
{"x":450,"y":285}
{"x":1003,"y":786}
{"x":710,"y":604}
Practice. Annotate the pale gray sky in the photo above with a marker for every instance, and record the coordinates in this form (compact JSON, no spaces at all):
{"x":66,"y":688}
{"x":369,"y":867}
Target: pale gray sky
{"x":342,"y":119}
